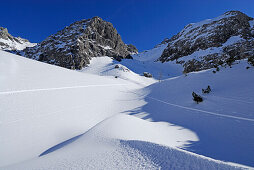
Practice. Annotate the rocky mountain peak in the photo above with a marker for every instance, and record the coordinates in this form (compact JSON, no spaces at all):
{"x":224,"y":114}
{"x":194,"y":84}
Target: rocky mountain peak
{"x":235,"y":13}
{"x":9,"y":42}
{"x":75,"y":45}
{"x":4,"y":33}
{"x":207,"y":43}
{"x":132,"y":49}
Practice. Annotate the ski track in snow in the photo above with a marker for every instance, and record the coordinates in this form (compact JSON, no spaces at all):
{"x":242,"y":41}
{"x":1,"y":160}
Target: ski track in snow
{"x":237,"y":100}
{"x":168,"y":103}
{"x":49,"y":89}
{"x":57,"y":88}
{"x":198,"y":110}
{"x":203,"y":111}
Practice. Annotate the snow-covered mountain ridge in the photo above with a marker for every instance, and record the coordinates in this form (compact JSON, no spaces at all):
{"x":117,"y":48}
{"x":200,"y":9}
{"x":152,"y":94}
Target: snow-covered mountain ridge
{"x":8,"y":42}
{"x":212,"y":42}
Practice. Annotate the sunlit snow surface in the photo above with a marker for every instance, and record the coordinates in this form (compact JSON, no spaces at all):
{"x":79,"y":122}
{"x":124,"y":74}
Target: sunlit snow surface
{"x":97,"y":121}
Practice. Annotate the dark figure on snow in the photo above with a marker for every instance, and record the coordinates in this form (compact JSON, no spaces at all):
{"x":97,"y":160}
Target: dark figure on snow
{"x":197,"y":98}
{"x":207,"y":90}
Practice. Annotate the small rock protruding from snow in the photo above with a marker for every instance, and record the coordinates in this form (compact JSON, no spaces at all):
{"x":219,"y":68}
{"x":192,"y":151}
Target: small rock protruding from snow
{"x":146,"y":74}
{"x":207,"y":90}
{"x":197,"y":98}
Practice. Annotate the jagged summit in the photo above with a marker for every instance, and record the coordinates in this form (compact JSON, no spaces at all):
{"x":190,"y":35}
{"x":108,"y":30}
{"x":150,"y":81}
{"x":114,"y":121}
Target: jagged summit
{"x":211,"y":42}
{"x":9,"y":42}
{"x":75,"y":45}
{"x":232,"y":12}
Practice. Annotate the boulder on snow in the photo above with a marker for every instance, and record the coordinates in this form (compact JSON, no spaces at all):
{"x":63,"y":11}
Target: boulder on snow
{"x":251,"y":60}
{"x":197,"y":98}
{"x":207,"y":90}
{"x":146,"y":74}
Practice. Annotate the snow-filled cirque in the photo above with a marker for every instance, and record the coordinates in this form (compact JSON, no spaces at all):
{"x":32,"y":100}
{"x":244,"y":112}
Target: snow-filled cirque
{"x":61,"y":119}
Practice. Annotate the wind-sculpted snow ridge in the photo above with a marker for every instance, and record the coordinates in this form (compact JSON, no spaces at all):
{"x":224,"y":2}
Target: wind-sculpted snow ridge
{"x":75,"y":45}
{"x":124,"y":142}
{"x":212,"y":42}
{"x":8,"y":42}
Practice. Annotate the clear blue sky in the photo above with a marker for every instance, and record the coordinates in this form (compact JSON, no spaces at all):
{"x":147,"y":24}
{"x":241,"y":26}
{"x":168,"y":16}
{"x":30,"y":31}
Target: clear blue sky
{"x":143,"y":23}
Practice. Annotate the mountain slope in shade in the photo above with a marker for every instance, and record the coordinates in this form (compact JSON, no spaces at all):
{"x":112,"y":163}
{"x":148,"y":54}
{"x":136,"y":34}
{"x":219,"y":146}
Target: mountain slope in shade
{"x":8,"y":42}
{"x":224,"y":121}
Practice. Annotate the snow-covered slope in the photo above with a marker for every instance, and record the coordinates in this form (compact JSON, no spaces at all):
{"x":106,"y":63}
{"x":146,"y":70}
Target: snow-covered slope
{"x":224,"y":121}
{"x":40,"y":109}
{"x":80,"y":120}
{"x":133,"y":69}
{"x":42,"y":105}
{"x":106,"y":66}
{"x":8,"y":42}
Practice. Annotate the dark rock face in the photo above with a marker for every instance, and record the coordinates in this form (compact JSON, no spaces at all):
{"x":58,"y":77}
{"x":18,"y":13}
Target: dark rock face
{"x":9,"y":42}
{"x":132,"y":49}
{"x":212,"y":42}
{"x":75,"y":45}
{"x":4,"y":33}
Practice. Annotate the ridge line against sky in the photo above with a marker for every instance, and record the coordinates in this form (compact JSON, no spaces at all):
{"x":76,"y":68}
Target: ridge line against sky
{"x":143,"y":23}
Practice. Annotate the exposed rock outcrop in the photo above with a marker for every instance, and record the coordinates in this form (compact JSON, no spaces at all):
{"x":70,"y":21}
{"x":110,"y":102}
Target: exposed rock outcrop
{"x":212,"y":42}
{"x":132,"y":49}
{"x":75,"y":45}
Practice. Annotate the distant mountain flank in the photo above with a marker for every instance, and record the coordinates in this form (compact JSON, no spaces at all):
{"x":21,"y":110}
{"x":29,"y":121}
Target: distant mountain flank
{"x":9,"y":42}
{"x":75,"y":45}
{"x":212,"y":42}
